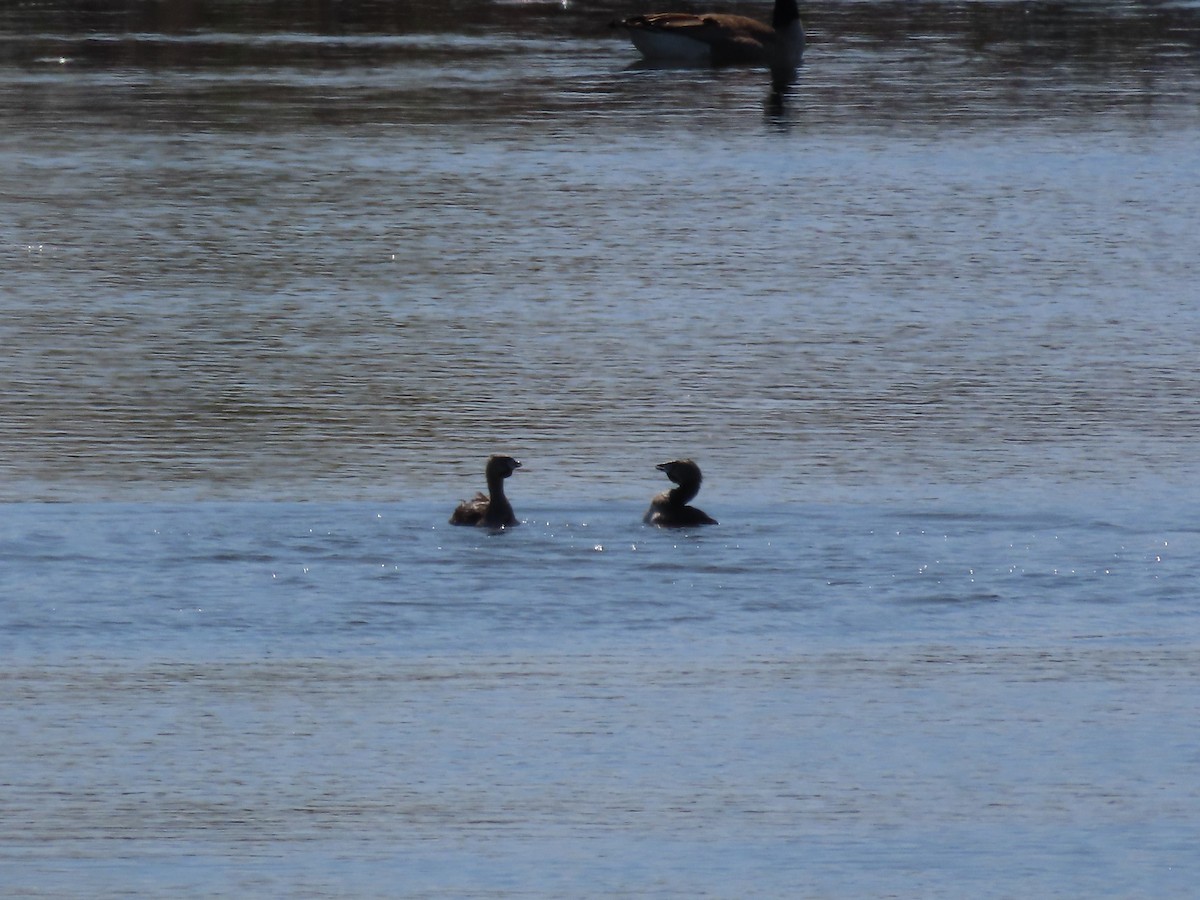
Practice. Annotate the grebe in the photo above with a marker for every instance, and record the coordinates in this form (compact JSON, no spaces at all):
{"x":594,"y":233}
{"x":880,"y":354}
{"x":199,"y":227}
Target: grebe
{"x":721,"y":39}
{"x":669,"y":509}
{"x":491,"y":510}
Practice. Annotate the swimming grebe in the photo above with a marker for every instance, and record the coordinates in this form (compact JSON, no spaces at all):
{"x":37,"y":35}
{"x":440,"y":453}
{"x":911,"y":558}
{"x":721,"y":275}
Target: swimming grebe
{"x":721,"y":39}
{"x":669,"y":509}
{"x":491,"y":510}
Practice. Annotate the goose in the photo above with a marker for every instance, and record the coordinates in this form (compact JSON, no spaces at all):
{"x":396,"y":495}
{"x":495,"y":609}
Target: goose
{"x":669,"y":509}
{"x":490,"y":510}
{"x":721,"y":39}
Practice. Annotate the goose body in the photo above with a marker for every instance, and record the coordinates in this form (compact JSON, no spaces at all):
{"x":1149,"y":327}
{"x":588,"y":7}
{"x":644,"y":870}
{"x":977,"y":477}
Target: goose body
{"x":490,"y":510}
{"x":670,"y":509}
{"x":720,"y":38}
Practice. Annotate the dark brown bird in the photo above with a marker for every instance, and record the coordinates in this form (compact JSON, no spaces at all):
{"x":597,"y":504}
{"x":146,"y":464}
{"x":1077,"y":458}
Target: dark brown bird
{"x":721,"y":39}
{"x":491,"y":510}
{"x":669,"y":509}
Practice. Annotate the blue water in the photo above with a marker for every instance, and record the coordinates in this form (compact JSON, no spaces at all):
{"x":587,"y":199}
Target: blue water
{"x":216,"y":580}
{"x":845,"y":699}
{"x":273,"y":288}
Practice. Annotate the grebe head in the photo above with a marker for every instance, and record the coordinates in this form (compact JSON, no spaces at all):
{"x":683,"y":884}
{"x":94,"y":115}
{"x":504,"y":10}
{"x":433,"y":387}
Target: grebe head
{"x":502,"y":466}
{"x":681,"y":471}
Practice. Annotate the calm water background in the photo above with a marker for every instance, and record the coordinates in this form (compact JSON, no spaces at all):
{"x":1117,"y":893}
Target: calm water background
{"x":276,"y":281}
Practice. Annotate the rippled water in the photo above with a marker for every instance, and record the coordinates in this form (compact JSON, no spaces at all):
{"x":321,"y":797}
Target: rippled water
{"x":274,"y":287}
{"x":865,"y":700}
{"x":302,"y":265}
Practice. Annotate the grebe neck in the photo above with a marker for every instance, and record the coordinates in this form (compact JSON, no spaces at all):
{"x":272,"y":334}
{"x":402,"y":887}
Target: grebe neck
{"x":495,"y":483}
{"x":683,"y":493}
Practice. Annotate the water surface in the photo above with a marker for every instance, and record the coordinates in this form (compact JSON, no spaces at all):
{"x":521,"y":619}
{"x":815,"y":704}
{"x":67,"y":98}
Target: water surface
{"x":276,"y":282}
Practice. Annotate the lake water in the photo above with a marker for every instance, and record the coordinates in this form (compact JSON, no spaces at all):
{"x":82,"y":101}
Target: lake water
{"x":275,"y":284}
